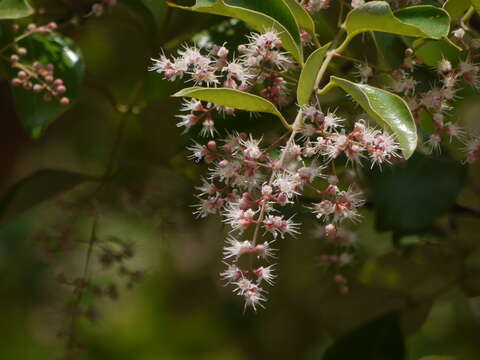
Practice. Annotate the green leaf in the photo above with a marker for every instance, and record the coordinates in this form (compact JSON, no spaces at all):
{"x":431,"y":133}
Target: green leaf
{"x":433,"y":51}
{"x":36,"y":188}
{"x":303,"y":18}
{"x":380,"y":339}
{"x":309,"y":73}
{"x":260,"y":15}
{"x":438,"y":357}
{"x":416,"y":21}
{"x":456,"y":8}
{"x":391,"y":50}
{"x":232,"y":98}
{"x":35,"y":113}
{"x":152,"y":10}
{"x":409,"y":196}
{"x":387,"y":109}
{"x":15,"y":9}
{"x":476,"y":5}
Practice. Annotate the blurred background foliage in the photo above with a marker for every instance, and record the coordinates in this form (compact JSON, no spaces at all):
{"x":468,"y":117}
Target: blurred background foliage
{"x":113,"y":168}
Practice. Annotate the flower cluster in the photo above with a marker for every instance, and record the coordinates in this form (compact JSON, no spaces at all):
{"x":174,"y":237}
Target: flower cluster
{"x":250,"y":185}
{"x":261,"y":62}
{"x":37,"y":77}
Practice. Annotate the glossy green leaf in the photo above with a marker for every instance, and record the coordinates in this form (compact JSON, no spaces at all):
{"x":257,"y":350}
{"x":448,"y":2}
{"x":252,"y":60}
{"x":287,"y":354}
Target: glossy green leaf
{"x":36,"y":188}
{"x":35,"y":113}
{"x":416,"y":21}
{"x":231,"y":98}
{"x":456,"y":8}
{"x":309,"y":73}
{"x":303,"y":18}
{"x":260,"y":15}
{"x":380,"y":339}
{"x":387,"y":109}
{"x":15,"y":9}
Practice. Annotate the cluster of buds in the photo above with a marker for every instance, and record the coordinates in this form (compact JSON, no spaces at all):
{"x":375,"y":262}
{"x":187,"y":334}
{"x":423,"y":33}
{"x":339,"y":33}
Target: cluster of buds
{"x":261,"y":63}
{"x":36,"y":77}
{"x":40,"y":79}
{"x":249,"y":186}
{"x":99,"y":8}
{"x":339,"y":253}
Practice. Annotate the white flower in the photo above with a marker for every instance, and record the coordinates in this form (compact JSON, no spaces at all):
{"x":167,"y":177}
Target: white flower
{"x":265,"y":274}
{"x":237,"y":248}
{"x":231,"y":274}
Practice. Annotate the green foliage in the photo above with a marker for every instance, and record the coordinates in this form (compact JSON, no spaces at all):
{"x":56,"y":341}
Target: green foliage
{"x":416,"y":21}
{"x":380,"y":339}
{"x":232,"y":98}
{"x":409,"y":196}
{"x":151,"y":10}
{"x":306,"y":82}
{"x":260,"y":15}
{"x":36,"y":188}
{"x":387,"y":109}
{"x":35,"y":113}
{"x":15,"y":9}
{"x":456,"y":8}
{"x":302,"y":17}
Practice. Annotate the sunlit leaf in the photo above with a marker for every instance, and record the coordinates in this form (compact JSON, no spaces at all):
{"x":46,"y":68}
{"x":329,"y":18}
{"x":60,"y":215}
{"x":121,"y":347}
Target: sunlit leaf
{"x":387,"y":109}
{"x":416,"y":21}
{"x":15,"y":9}
{"x":309,"y":73}
{"x":231,"y":98}
{"x":35,"y":113}
{"x":260,"y":15}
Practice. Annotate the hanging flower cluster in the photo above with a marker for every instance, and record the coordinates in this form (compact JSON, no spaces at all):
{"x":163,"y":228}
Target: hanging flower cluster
{"x":250,"y":183}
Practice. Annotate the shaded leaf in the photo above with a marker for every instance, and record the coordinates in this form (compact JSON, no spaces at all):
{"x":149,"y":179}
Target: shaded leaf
{"x":231,"y":98}
{"x":36,"y":188}
{"x":416,"y":21}
{"x":380,"y":339}
{"x":409,"y":196}
{"x":387,"y":109}
{"x":35,"y":113}
{"x":152,"y":10}
{"x":261,"y":15}
{"x":309,"y":73}
{"x":391,"y":50}
{"x":15,"y":9}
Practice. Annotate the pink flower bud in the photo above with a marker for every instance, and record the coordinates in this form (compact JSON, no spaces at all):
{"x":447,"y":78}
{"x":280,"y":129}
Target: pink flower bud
{"x":212,"y":145}
{"x":64,"y":101}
